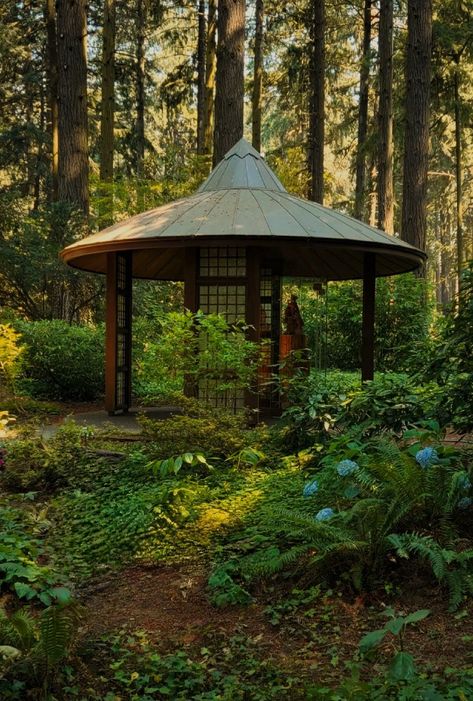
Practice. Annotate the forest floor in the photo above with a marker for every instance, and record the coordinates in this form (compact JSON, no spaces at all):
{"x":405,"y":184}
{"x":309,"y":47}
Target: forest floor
{"x":132,"y":581}
{"x":170,"y":604}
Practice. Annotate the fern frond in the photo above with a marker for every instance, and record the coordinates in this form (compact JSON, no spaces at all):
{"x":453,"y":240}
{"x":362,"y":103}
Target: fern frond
{"x":58,"y":627}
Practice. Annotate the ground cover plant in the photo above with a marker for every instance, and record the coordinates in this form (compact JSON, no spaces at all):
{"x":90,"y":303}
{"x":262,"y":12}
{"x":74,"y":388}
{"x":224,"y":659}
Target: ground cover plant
{"x":266,"y":534}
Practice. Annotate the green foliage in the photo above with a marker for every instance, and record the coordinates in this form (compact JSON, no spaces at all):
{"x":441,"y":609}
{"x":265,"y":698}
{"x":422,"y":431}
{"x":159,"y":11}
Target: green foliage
{"x":332,"y":322}
{"x":390,"y":402}
{"x":193,"y":347}
{"x":120,"y":514}
{"x":32,"y":464}
{"x":227,"y":669}
{"x":402,"y":667}
{"x":451,"y":361}
{"x":21,"y":550}
{"x":216,"y":433}
{"x":330,"y":404}
{"x":63,"y":361}
{"x":171,"y":466}
{"x":383,"y":503}
{"x":32,"y":650}
{"x":10,"y":354}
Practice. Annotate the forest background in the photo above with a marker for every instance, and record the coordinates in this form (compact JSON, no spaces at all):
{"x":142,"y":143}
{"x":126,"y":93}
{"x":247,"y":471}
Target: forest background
{"x":111,"y":108}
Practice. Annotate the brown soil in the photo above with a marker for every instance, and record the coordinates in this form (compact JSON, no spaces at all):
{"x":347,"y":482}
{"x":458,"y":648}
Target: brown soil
{"x":170,"y":603}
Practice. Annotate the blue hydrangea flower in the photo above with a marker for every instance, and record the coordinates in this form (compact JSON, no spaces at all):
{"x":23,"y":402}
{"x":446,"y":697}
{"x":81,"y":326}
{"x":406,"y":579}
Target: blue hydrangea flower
{"x":346,"y":467}
{"x":465,"y":503}
{"x":427,"y":456}
{"x":464,"y":483}
{"x":311,"y":488}
{"x":324,"y":514}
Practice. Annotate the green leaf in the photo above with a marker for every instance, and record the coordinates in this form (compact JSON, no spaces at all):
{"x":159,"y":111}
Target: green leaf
{"x":417,"y":616}
{"x":24,"y":590}
{"x":402,"y":667}
{"x":351,"y":492}
{"x":61,"y":594}
{"x":372,"y":639}
{"x":188,"y":458}
{"x":395,"y":626}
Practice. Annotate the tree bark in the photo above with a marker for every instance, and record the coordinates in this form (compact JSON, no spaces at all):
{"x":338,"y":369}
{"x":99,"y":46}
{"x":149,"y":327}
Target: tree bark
{"x":108,"y":92}
{"x":210,"y":73}
{"x":458,"y":173}
{"x":317,"y":101}
{"x":385,"y":119}
{"x":73,"y":164}
{"x":201,"y":53}
{"x":256,"y":101}
{"x":360,"y":182}
{"x":141,"y":21}
{"x":416,"y":141}
{"x":229,"y":91}
{"x":50,"y":17}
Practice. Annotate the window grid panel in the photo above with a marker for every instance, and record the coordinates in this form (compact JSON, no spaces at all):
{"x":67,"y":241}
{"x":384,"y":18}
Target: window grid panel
{"x":222,"y":262}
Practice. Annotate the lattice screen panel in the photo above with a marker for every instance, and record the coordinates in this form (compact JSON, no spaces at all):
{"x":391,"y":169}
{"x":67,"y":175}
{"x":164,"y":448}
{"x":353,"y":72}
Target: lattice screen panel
{"x":222,"y":290}
{"x":123,"y":346}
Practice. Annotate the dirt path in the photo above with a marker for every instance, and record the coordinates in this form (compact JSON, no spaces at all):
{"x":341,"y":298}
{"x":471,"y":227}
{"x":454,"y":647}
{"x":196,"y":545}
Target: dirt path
{"x":170,"y":603}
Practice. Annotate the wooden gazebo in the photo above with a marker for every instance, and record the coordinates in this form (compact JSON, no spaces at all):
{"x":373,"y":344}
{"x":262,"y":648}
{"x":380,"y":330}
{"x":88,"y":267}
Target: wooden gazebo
{"x":231,"y":243}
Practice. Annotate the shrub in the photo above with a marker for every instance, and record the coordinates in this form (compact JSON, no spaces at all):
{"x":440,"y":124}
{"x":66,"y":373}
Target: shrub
{"x":10,"y":352}
{"x":30,"y":464}
{"x":196,"y":346}
{"x":20,"y":555}
{"x":214,"y":433}
{"x":356,"y":518}
{"x":451,"y":361}
{"x":63,"y":361}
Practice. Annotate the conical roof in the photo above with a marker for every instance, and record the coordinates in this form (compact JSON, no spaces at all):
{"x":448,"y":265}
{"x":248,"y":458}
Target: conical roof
{"x":242,"y":203}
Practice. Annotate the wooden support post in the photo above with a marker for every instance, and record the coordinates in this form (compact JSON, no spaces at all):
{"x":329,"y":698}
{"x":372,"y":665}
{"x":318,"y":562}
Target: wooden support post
{"x":253,"y":313}
{"x":367,"y":333}
{"x":191,"y":293}
{"x":118,"y":333}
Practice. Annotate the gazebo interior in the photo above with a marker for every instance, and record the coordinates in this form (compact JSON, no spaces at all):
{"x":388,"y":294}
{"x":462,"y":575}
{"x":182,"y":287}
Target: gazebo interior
{"x":231,"y":243}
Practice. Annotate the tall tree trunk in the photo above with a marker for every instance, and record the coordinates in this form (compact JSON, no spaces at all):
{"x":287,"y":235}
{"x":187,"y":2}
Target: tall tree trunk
{"x":210,"y":73}
{"x":416,"y":141}
{"x":201,"y":53}
{"x":73,"y":164}
{"x":229,"y":91}
{"x":385,"y":119}
{"x":141,"y":21}
{"x":52,"y":79}
{"x":360,"y":183}
{"x":458,"y":172}
{"x":256,"y":101}
{"x":108,"y":92}
{"x":317,"y":101}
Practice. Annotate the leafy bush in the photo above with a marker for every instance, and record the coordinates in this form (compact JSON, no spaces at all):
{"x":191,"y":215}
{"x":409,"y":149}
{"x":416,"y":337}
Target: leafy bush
{"x":20,"y":554}
{"x":451,"y":361}
{"x":334,"y":403}
{"x":63,"y":361}
{"x":213,"y":433}
{"x":10,"y":355}
{"x":32,"y":464}
{"x":332,"y":322}
{"x":32,"y":650}
{"x":353,"y":517}
{"x":193,"y":347}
